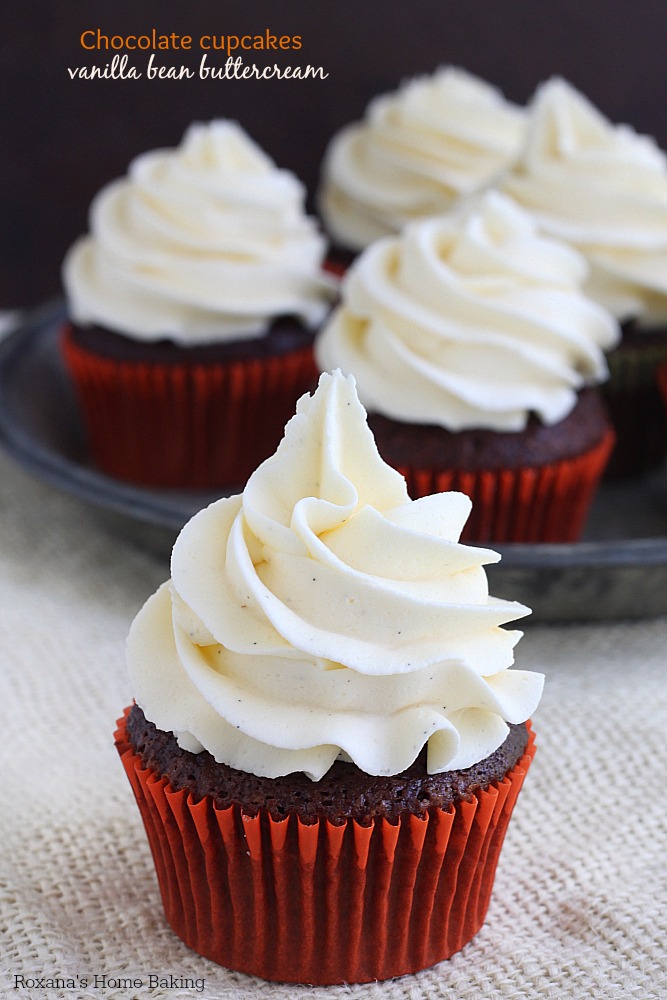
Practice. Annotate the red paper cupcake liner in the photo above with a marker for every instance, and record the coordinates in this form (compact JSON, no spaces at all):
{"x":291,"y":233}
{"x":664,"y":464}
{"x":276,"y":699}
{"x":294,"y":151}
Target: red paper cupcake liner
{"x":186,"y":425}
{"x":547,"y":503}
{"x":321,"y":903}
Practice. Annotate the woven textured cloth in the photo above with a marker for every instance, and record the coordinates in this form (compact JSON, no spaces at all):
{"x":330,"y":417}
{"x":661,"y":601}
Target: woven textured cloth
{"x":580,"y":902}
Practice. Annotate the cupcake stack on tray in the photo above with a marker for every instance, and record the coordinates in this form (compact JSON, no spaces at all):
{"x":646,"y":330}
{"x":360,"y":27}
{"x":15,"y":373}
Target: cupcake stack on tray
{"x":596,"y":185}
{"x":196,"y":296}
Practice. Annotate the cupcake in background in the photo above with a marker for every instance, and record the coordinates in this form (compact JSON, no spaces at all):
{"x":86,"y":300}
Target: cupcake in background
{"x":478,"y":358}
{"x":417,"y":152}
{"x":326,"y":724}
{"x":193,"y":302}
{"x":603,"y":188}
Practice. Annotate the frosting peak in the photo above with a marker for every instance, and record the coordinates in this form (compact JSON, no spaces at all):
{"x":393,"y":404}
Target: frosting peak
{"x":208,"y":241}
{"x":324,"y":613}
{"x":471,"y":319}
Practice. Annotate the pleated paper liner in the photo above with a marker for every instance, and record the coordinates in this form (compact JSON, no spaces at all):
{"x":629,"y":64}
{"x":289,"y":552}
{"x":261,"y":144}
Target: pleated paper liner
{"x":189,"y":425}
{"x":547,"y":503}
{"x":321,"y":903}
{"x":636,"y":407}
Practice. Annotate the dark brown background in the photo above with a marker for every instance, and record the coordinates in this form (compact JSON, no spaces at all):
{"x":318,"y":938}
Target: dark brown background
{"x":62,"y":139}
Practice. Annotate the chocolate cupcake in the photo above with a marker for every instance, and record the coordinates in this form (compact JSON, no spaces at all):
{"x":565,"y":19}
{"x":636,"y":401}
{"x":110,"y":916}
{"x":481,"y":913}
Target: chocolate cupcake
{"x":417,"y":152}
{"x":193,"y":303}
{"x":603,"y":188}
{"x":326,"y":723}
{"x":477,"y":356}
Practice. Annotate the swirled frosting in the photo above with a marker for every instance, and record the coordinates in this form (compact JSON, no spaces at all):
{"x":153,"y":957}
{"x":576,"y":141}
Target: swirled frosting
{"x":323,"y":613}
{"x":205,"y":242}
{"x":602,"y":187}
{"x":469,"y":320}
{"x":416,"y":152}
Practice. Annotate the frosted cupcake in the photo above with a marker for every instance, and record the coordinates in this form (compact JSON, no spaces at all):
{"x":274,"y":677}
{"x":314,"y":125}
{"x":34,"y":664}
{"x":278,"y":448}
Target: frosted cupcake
{"x":478,"y":358}
{"x":327,"y":724}
{"x":193,"y":302}
{"x":603,"y":188}
{"x":417,"y":152}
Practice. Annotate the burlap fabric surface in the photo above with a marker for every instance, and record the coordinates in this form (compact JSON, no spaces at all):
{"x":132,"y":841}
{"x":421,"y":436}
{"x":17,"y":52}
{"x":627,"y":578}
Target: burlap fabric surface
{"x":580,"y":902}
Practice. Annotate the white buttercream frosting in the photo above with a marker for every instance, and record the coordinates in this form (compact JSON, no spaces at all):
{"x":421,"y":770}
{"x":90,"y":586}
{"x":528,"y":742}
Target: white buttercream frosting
{"x":602,"y":187}
{"x":324,"y":613}
{"x":415,"y":153}
{"x":469,"y":320}
{"x":208,"y":241}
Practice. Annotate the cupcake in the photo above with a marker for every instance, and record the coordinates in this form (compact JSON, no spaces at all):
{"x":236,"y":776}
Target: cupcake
{"x":327,"y":739}
{"x":478,"y":358}
{"x":193,"y":302}
{"x":417,"y":152}
{"x":603,"y":188}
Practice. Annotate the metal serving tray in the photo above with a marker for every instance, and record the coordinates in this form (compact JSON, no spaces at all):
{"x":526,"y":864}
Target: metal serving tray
{"x":617,"y":570}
